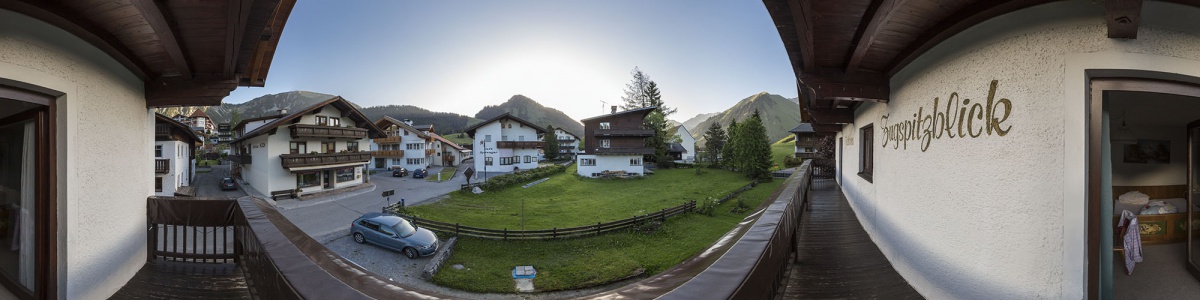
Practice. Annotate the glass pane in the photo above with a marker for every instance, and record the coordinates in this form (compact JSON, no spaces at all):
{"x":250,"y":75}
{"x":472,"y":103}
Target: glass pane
{"x":1193,"y":239}
{"x":17,"y":202}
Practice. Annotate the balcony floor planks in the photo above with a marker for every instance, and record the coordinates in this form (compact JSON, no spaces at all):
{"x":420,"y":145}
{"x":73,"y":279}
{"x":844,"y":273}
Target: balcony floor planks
{"x":836,"y":259}
{"x":178,"y":280}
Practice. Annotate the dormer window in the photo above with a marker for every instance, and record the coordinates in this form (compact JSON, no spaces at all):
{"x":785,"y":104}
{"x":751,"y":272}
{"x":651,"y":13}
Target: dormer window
{"x":604,"y":125}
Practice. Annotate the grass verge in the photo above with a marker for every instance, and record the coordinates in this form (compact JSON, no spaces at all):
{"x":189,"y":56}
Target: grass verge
{"x":567,"y":200}
{"x":446,"y":173}
{"x":584,"y":262}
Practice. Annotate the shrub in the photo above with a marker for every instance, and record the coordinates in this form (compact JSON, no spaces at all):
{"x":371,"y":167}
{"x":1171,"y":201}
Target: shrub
{"x":791,"y":161}
{"x":707,"y":206}
{"x":521,"y":177}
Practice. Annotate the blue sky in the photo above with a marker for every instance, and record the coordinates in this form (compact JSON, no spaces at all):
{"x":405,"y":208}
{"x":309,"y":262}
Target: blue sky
{"x":458,"y":56}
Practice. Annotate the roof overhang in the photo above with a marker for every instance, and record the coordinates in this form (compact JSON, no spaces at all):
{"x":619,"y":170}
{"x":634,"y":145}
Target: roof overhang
{"x":845,"y":52}
{"x":186,"y":52}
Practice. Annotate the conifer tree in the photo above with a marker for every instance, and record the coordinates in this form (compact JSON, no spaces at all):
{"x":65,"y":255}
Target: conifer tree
{"x":714,"y":142}
{"x":754,"y":148}
{"x":729,"y":153}
{"x":551,"y":141}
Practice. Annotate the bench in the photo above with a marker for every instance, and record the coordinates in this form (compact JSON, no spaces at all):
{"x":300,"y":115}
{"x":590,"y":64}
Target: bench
{"x":289,"y":193}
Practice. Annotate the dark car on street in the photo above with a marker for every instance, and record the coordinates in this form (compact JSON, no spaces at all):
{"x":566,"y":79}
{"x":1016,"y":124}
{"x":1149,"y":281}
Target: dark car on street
{"x":394,"y":233}
{"x":420,"y":173}
{"x":399,"y":172}
{"x":227,"y":184}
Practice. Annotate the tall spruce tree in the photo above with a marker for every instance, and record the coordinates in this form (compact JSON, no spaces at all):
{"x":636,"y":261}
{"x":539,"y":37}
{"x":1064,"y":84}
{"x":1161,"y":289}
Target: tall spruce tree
{"x":755,"y":148}
{"x":729,"y":153}
{"x":551,"y":140}
{"x":642,"y":92}
{"x":714,"y":142}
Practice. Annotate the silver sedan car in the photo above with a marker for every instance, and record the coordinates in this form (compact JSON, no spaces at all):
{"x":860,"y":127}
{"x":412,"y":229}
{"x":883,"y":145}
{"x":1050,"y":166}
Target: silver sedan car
{"x":395,"y":233}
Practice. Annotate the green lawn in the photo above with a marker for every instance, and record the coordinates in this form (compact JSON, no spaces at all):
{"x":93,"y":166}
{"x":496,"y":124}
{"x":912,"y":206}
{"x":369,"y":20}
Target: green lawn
{"x":583,"y":262}
{"x":207,"y":162}
{"x":464,"y":140}
{"x":446,"y":173}
{"x":567,"y":200}
{"x":779,"y":151}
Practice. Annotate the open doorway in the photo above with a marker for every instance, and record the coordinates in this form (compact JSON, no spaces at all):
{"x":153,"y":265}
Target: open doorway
{"x":1144,"y":169}
{"x":28,"y":226}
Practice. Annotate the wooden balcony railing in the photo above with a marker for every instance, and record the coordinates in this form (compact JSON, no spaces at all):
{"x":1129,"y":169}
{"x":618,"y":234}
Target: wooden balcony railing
{"x":162,"y":166}
{"x":162,"y":130}
{"x":387,"y":140}
{"x":388,"y":153}
{"x":319,"y":131}
{"x":429,"y":152}
{"x":638,"y":132}
{"x":514,"y":145}
{"x":813,"y":143}
{"x":625,"y":151}
{"x":321,"y":159}
{"x":239,"y":158}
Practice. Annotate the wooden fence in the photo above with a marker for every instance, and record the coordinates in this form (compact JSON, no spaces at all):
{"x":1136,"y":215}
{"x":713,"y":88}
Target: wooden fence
{"x":553,"y":233}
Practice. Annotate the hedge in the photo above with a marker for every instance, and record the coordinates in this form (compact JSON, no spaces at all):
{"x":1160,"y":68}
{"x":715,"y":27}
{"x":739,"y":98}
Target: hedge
{"x":521,"y":177}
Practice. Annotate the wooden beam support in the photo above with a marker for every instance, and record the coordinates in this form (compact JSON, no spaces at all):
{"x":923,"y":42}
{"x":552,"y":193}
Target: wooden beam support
{"x":861,"y":86}
{"x":802,"y":19}
{"x":58,"y":15}
{"x":953,"y":24}
{"x":235,"y":27}
{"x":827,"y":128}
{"x":160,"y":22}
{"x":881,"y":15}
{"x":1123,"y":18}
{"x":832,"y":115}
{"x":201,"y":90}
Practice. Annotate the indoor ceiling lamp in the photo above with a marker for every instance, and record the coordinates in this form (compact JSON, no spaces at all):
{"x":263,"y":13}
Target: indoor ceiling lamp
{"x":1122,"y":134}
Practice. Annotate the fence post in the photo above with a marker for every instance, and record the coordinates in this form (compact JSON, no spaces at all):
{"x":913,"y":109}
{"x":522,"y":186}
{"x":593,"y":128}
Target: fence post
{"x":554,"y":233}
{"x":662,"y":214}
{"x":597,"y":228}
{"x":456,"y":229}
{"x":505,"y":234}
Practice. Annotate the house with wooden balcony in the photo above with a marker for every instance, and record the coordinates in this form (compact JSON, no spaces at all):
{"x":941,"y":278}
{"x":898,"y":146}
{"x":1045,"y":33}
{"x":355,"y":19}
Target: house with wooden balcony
{"x":568,"y":143}
{"x":320,"y":148}
{"x":403,"y":145}
{"x":506,"y":143}
{"x":615,"y":143}
{"x":807,"y":141}
{"x":447,"y":153}
{"x":174,"y":155}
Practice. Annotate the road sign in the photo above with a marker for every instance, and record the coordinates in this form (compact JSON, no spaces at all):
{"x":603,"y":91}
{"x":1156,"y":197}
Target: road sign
{"x":389,"y":193}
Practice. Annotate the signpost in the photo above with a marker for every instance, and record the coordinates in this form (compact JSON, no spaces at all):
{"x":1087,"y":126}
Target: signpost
{"x":388,"y":195}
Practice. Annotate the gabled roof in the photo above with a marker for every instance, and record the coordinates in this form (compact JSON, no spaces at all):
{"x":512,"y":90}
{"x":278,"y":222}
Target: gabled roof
{"x":676,"y":147}
{"x":802,"y":128}
{"x":242,"y":123}
{"x":645,"y":110}
{"x":447,"y":142}
{"x":471,"y":130}
{"x":337,"y":102}
{"x":567,"y":132}
{"x":160,"y":118}
{"x":386,"y":121}
{"x":199,"y":113}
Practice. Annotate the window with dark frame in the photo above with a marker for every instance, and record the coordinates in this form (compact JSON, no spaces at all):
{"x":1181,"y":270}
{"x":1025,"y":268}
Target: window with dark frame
{"x":866,"y":152}
{"x":587,"y":162}
{"x":31,"y":267}
{"x":335,"y":122}
{"x":309,"y":179}
{"x":158,"y":151}
{"x":351,"y":146}
{"x":328,"y":147}
{"x":298,"y":147}
{"x":321,"y":120}
{"x":158,"y":184}
{"x":487,"y":161}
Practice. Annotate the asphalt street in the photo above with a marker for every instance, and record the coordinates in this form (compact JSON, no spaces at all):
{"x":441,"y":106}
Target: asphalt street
{"x":209,"y":184}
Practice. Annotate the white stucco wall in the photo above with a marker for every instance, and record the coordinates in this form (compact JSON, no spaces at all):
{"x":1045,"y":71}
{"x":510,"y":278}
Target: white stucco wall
{"x":1172,"y":173}
{"x":267,"y":174}
{"x":1003,"y":217}
{"x":516,"y":133}
{"x":688,"y":143}
{"x":103,"y":128}
{"x":609,"y":163}
{"x":178,"y":167}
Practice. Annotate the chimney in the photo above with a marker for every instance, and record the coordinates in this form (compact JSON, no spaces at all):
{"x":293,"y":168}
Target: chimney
{"x":283,"y":111}
{"x":408,"y":121}
{"x":614,"y":109}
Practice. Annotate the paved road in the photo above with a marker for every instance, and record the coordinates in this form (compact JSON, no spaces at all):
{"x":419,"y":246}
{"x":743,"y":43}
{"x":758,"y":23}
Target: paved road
{"x":331,"y":219}
{"x":208,"y":184}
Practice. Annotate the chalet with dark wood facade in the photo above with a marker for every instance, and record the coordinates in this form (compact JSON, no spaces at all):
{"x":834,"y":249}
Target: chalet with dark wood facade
{"x":615,"y":143}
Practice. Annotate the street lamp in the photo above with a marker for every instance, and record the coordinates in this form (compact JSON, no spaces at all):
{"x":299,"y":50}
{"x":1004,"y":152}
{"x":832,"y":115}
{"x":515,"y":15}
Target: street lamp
{"x":483,"y":146}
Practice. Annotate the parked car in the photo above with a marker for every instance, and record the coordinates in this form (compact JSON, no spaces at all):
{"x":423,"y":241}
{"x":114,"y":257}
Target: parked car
{"x":394,"y":233}
{"x":227,"y":184}
{"x":400,"y":172}
{"x":420,"y":173}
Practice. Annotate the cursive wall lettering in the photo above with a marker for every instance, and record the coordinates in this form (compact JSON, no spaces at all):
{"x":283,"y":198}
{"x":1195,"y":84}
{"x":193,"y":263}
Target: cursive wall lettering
{"x":959,"y":118}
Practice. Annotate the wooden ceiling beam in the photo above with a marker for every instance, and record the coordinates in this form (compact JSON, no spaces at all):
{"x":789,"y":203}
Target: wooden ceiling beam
{"x":953,"y":24}
{"x":201,"y":90}
{"x":872,"y":87}
{"x":832,"y":115}
{"x":235,"y":28}
{"x":160,"y":22}
{"x":802,"y":20}
{"x":882,"y":13}
{"x":827,"y":128}
{"x":60,"y":16}
{"x":1123,"y":17}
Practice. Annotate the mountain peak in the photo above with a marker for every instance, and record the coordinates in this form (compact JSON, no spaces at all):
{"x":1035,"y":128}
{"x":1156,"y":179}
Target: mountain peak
{"x":525,"y":108}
